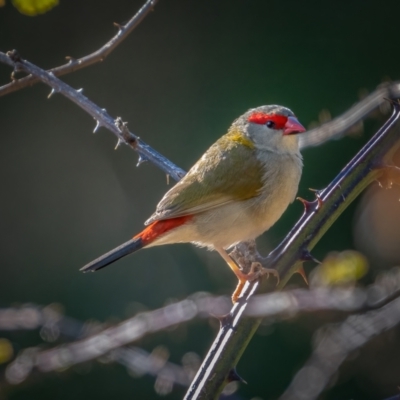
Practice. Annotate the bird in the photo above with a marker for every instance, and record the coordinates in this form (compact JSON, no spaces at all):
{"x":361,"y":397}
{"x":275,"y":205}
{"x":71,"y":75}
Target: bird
{"x":235,"y":192}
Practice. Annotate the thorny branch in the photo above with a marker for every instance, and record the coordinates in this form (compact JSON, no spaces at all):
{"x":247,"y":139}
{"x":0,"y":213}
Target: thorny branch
{"x":119,"y":128}
{"x":95,"y":57}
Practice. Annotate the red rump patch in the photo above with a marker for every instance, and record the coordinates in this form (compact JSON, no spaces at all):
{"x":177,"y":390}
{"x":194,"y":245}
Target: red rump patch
{"x":157,"y":228}
{"x":262,"y":118}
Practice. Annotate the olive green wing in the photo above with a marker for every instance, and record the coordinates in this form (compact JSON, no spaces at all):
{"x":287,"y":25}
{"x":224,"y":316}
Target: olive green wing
{"x":229,"y":171}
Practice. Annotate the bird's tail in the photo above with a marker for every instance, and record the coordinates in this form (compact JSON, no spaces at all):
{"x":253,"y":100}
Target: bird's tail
{"x":144,"y":238}
{"x":126,"y":248}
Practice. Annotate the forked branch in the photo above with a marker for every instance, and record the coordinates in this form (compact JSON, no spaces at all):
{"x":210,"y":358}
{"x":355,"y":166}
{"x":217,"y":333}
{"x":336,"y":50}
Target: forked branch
{"x":95,"y":57}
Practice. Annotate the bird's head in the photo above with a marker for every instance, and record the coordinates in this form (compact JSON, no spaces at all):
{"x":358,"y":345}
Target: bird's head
{"x":271,"y":127}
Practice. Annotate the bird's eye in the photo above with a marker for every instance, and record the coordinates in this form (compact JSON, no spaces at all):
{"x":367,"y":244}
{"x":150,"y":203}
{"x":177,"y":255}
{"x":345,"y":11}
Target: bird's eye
{"x":270,"y":124}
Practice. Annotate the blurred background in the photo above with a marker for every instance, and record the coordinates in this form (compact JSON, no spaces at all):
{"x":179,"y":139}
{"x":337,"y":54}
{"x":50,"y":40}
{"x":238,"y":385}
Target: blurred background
{"x":179,"y":80}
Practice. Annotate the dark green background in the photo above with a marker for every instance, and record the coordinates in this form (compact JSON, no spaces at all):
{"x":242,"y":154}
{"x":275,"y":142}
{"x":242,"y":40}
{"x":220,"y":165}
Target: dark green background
{"x":180,"y":79}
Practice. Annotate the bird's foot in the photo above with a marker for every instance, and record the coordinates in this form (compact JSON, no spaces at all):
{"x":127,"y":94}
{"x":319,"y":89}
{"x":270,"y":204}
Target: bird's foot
{"x":257,"y":271}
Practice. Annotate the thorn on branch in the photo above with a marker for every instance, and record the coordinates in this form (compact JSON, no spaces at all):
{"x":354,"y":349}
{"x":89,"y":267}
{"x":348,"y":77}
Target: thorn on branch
{"x":302,"y":273}
{"x":18,"y":69}
{"x":318,"y":196}
{"x":98,"y":125}
{"x":80,"y":90}
{"x":233,"y":376}
{"x":52,"y":91}
{"x":141,"y":160}
{"x":307,"y":204}
{"x":224,"y":320}
{"x":126,"y":135}
{"x":117,"y":25}
{"x":307,"y":256}
{"x":118,"y":144}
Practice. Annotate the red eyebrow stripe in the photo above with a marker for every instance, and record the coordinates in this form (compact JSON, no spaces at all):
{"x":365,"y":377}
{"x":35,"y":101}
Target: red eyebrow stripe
{"x":262,"y":118}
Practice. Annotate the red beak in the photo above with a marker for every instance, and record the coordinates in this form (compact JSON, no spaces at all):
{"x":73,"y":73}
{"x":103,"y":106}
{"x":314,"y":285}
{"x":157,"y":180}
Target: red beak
{"x":293,"y":126}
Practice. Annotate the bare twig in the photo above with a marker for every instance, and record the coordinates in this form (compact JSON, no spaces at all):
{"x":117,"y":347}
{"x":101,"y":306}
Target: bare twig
{"x":101,"y":116}
{"x":31,"y":317}
{"x":139,"y":362}
{"x":95,"y":57}
{"x":320,"y":299}
{"x":111,"y":342}
{"x":333,"y":345}
{"x":115,"y":337}
{"x":54,"y":326}
{"x":340,"y":125}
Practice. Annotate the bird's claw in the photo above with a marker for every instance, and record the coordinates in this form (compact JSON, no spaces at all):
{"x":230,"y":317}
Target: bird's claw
{"x":257,"y":271}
